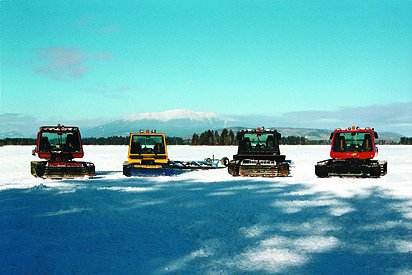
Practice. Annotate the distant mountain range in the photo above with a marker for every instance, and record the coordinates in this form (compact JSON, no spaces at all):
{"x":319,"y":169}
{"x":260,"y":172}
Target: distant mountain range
{"x":11,"y":134}
{"x":183,"y":123}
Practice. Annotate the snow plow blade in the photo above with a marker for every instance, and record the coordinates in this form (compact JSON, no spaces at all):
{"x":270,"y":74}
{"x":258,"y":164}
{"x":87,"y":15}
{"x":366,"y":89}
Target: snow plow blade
{"x":172,"y":168}
{"x":62,"y":170}
{"x":351,"y":168}
{"x":256,"y":168}
{"x":136,"y":170}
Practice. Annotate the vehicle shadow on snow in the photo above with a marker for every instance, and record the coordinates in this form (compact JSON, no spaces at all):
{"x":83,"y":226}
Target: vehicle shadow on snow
{"x":137,"y":225}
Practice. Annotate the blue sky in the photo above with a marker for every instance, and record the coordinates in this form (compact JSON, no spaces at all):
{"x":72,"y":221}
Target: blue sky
{"x":101,"y":60}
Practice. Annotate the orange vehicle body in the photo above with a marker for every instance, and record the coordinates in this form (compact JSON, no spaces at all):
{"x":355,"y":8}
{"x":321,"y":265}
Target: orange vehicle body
{"x":361,"y":148}
{"x":59,"y":145}
{"x":352,"y":152}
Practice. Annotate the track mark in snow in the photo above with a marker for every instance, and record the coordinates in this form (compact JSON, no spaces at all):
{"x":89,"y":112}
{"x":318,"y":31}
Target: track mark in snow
{"x":267,"y":260}
{"x":316,"y":227}
{"x":184,"y":261}
{"x":129,"y":189}
{"x":63,"y":212}
{"x":254,"y":231}
{"x":339,"y":211}
{"x":404,"y":208}
{"x":404,"y":246}
{"x":311,"y":244}
{"x":278,"y":253}
{"x":337,"y":208}
{"x":386,"y":226}
{"x":404,"y":272}
{"x":223,"y":193}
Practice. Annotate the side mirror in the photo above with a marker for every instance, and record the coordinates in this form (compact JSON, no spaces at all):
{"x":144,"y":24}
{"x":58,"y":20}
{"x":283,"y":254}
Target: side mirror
{"x":331,"y":136}
{"x":375,"y":135}
{"x":279,"y":136}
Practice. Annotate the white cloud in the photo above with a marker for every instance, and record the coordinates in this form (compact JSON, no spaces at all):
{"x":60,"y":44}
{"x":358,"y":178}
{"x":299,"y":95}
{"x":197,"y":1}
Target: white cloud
{"x":67,"y":63}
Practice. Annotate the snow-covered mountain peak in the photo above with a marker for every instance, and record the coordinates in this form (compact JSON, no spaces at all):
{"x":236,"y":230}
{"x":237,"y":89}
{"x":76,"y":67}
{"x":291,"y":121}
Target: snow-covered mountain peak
{"x":174,"y":114}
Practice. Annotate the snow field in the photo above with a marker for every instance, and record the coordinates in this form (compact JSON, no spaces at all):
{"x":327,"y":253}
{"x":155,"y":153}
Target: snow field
{"x":205,"y":222}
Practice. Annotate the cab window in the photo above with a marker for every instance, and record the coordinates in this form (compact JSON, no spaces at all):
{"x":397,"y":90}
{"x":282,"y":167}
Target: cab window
{"x":147,"y":145}
{"x":352,"y":142}
{"x":67,"y":142}
{"x":255,"y":142}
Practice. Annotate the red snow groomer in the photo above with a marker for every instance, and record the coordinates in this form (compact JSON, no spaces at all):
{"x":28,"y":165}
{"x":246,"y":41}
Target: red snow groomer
{"x":352,"y":153}
{"x":59,"y":145}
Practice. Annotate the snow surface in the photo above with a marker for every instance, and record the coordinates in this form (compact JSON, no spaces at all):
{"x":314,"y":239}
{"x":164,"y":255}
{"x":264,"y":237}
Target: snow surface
{"x":205,"y":222}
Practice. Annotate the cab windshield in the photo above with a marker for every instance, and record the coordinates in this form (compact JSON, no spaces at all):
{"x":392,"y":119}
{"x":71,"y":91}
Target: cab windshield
{"x":352,"y":142}
{"x":147,"y":145}
{"x":259,"y":142}
{"x":65,"y":142}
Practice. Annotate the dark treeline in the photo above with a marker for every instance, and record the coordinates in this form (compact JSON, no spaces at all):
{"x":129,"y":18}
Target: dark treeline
{"x":318,"y":142}
{"x":17,"y":141}
{"x":226,"y":137}
{"x":113,"y":140}
{"x":406,"y":140}
{"x":293,"y":140}
{"x":296,"y":140}
{"x":177,"y":141}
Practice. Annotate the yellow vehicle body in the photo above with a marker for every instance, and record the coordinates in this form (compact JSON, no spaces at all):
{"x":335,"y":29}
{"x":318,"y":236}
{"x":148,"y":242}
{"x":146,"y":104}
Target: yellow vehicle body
{"x":147,"y":156}
{"x":147,"y":149}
